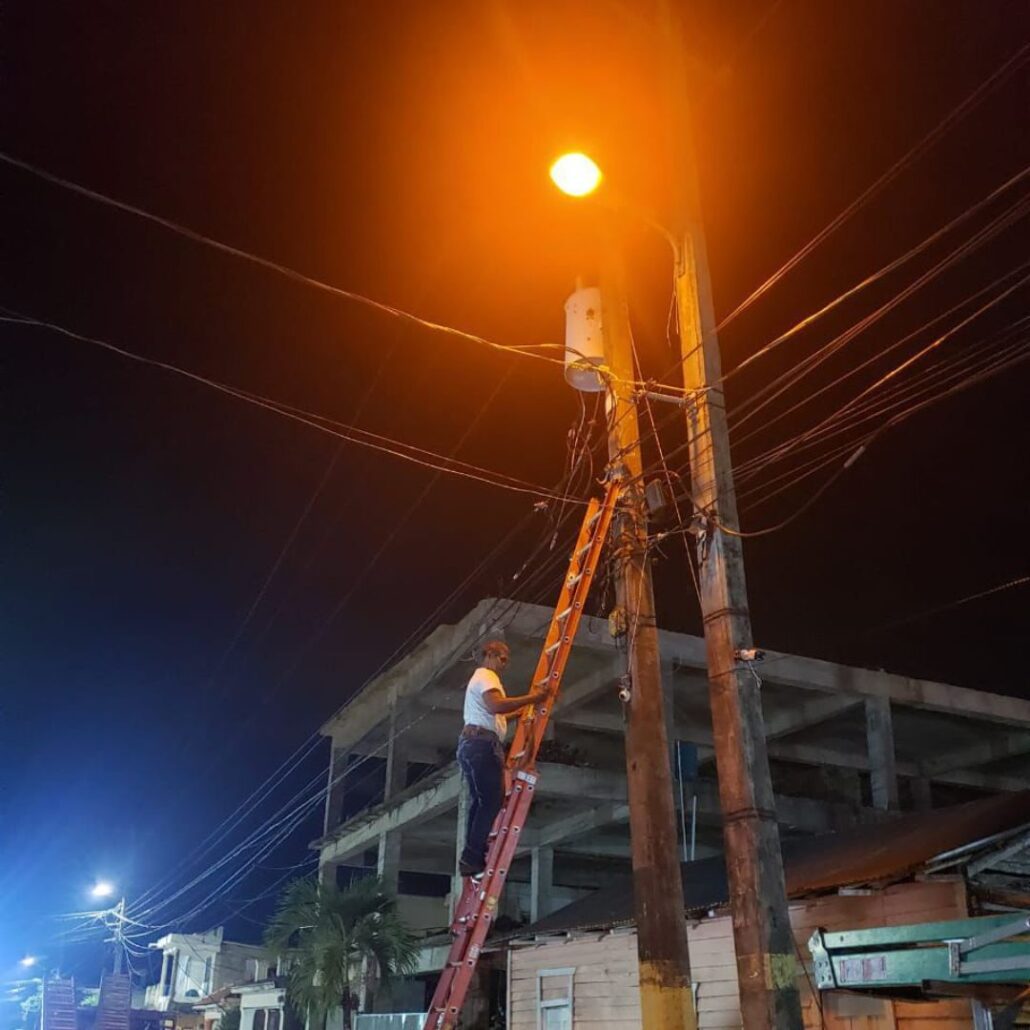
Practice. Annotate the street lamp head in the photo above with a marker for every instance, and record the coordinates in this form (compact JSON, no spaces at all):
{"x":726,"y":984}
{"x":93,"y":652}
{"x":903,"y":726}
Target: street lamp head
{"x":102,"y":889}
{"x":29,"y":961}
{"x":575,"y":174}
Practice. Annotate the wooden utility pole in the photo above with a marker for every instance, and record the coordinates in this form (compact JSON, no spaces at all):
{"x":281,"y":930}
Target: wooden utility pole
{"x":666,"y":998}
{"x":765,"y":950}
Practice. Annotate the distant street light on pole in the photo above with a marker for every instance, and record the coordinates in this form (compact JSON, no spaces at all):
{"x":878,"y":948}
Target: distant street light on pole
{"x":105,"y":889}
{"x":29,"y":961}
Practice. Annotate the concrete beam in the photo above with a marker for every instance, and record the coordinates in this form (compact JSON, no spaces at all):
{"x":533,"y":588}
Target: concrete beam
{"x":827,"y":677}
{"x":810,"y":713}
{"x":808,"y":754}
{"x":577,"y":825}
{"x":407,"y":677}
{"x":405,"y":812}
{"x":585,"y":689}
{"x":1009,"y":745}
{"x":883,"y":772}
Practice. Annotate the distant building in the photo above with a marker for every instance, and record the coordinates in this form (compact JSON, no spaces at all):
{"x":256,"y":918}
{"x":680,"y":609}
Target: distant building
{"x":197,"y":965}
{"x":212,"y":1008}
{"x":263,"y":1006}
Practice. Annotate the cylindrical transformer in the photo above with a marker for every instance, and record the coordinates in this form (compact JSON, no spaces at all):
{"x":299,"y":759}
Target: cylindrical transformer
{"x":584,"y":341}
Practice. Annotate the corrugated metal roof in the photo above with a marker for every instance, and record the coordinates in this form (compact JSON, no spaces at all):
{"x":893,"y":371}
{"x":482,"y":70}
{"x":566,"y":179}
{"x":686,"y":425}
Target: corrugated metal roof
{"x":885,"y":851}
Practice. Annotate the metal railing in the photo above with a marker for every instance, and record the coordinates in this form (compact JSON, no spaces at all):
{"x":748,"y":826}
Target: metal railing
{"x":389,"y":1021}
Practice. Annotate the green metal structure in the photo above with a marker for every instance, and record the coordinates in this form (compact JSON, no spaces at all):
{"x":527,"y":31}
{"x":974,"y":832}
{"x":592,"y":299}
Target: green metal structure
{"x":983,"y":950}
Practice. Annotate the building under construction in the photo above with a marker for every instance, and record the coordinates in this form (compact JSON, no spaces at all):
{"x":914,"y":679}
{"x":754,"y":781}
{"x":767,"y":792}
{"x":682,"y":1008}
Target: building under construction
{"x":847,"y":746}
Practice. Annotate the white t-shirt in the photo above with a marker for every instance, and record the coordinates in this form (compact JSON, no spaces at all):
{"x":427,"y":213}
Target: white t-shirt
{"x":476,"y":712}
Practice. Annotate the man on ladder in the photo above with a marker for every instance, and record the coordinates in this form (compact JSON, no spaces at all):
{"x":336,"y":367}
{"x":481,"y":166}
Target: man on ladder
{"x":482,"y":761}
{"x":481,"y":750}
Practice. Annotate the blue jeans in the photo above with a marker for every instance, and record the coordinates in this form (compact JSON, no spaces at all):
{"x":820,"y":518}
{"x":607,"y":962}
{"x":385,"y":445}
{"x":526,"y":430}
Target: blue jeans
{"x":482,"y":763}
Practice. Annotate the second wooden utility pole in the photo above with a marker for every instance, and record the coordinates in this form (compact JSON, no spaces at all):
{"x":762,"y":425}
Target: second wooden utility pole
{"x":766,"y":965}
{"x":666,"y":997}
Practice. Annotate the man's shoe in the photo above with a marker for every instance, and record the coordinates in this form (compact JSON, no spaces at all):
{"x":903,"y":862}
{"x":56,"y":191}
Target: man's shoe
{"x":467,"y":869}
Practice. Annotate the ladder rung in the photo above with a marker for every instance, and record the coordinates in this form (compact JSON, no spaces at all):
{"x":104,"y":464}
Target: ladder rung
{"x":565,"y":614}
{"x":554,"y":647}
{"x":573,"y":580}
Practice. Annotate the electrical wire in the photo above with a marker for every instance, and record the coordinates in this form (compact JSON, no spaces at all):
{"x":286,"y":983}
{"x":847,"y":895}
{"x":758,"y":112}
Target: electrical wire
{"x":881,"y":273}
{"x":995,"y":79}
{"x":300,"y":814}
{"x":880,"y":353}
{"x":948,"y":606}
{"x":353,"y":434}
{"x":526,"y":350}
{"x":903,"y":365}
{"x":856,"y":452}
{"x":763,"y":397}
{"x":392,"y":535}
{"x":902,"y":396}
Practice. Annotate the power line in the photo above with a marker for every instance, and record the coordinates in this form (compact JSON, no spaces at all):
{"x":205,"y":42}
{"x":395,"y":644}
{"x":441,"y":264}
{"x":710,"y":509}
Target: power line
{"x":306,"y":805}
{"x":953,"y":117}
{"x":791,"y":378}
{"x":881,"y":273}
{"x":353,"y":434}
{"x":948,"y":605}
{"x":527,"y":350}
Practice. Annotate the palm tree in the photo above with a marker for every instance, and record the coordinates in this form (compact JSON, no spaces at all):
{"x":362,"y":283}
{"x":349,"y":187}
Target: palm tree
{"x":338,"y":940}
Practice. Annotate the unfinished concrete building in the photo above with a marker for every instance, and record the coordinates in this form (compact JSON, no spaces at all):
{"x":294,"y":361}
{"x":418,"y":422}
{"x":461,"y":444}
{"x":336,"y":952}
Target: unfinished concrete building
{"x":846,"y":745}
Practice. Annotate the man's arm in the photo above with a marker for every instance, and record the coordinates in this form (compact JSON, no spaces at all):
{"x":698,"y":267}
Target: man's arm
{"x":497,"y":704}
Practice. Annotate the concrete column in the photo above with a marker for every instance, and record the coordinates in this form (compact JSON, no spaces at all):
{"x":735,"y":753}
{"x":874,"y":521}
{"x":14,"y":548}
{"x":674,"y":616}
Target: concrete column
{"x":164,"y":975}
{"x":459,"y":845}
{"x":883,"y":775}
{"x":388,"y":863}
{"x":922,"y":793}
{"x":396,"y":758}
{"x":541,"y":883}
{"x":669,"y":704}
{"x":335,"y":796}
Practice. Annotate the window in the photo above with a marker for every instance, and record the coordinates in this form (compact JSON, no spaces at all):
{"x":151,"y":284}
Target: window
{"x":554,"y":998}
{"x":266,"y":1019}
{"x":208,"y":963}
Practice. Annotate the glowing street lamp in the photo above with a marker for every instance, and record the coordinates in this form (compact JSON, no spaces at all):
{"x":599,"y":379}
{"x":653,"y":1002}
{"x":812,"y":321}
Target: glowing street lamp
{"x":575,"y":174}
{"x":29,"y":961}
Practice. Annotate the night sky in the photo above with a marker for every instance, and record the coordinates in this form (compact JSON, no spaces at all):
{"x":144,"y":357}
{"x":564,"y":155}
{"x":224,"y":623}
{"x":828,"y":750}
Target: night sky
{"x":400,"y":151}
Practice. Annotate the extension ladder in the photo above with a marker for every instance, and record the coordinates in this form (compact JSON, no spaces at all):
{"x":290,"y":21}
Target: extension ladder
{"x":477,"y":908}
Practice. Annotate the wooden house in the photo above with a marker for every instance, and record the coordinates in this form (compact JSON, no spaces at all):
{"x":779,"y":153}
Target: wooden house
{"x":578,"y":967}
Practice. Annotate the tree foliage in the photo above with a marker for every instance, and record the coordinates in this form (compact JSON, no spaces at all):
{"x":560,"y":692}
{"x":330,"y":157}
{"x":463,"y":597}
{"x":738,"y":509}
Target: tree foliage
{"x":229,"y":1020}
{"x":338,"y":941}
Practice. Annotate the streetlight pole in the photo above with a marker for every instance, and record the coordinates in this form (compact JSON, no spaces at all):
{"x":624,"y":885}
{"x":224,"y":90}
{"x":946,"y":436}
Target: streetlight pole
{"x":119,"y":939}
{"x":104,"y":889}
{"x":666,"y":997}
{"x":765,"y":949}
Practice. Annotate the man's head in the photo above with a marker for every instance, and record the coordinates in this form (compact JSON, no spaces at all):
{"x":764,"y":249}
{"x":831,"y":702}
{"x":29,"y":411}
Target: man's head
{"x":496,"y":655}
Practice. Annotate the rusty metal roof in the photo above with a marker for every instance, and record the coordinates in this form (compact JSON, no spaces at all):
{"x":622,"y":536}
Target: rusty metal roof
{"x":883,"y":852}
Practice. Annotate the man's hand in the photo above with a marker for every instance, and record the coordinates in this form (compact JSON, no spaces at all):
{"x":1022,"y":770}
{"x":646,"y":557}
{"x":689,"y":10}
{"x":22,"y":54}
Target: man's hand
{"x":498,"y":705}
